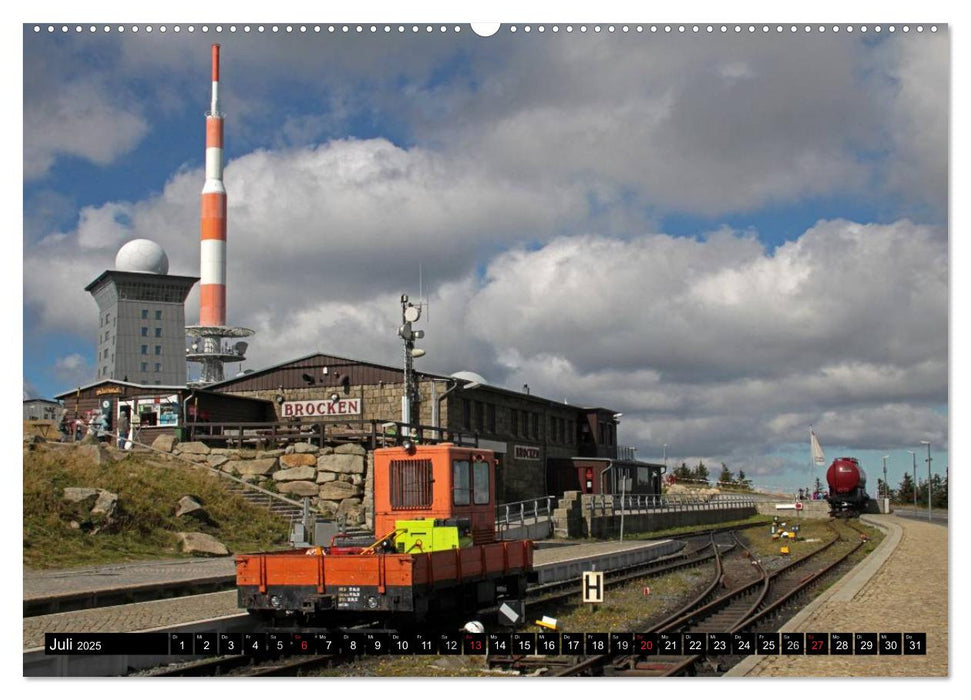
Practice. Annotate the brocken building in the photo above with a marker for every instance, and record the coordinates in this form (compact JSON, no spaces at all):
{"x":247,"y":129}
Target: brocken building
{"x":529,"y":433}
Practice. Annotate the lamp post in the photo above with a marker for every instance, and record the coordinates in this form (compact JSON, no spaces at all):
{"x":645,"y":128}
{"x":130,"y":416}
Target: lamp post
{"x":886,"y":492}
{"x":665,"y":453}
{"x":928,"y":443}
{"x":457,"y":384}
{"x":914,"y":456}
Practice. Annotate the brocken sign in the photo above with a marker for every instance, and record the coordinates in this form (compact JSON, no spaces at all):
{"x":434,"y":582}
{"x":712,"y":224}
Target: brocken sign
{"x":323,"y":407}
{"x":526,"y":452}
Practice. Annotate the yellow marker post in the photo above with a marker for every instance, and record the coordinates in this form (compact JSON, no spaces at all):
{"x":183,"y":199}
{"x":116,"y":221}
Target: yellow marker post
{"x":547,"y":622}
{"x":784,"y":549}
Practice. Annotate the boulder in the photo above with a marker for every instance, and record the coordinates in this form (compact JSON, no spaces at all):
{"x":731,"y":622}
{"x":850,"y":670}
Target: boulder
{"x":341,"y":463}
{"x":255,"y":467}
{"x":262,"y":454}
{"x":324,"y":477}
{"x":201,"y":543}
{"x":216,"y":461}
{"x":190,"y":506}
{"x":298,"y":459}
{"x":80,"y":494}
{"x":165,"y":443}
{"x":194,"y":457}
{"x":325,"y":451}
{"x":338,"y":491}
{"x":295,"y":474}
{"x":230,"y":452}
{"x":304,"y":448}
{"x":357,"y":479}
{"x":350,"y":449}
{"x":197,"y":448}
{"x":298,"y":488}
{"x":106,"y":504}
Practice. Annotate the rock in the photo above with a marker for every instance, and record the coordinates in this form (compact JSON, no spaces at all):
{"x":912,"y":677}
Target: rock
{"x":295,"y":474}
{"x":198,"y":448}
{"x":255,"y":467}
{"x":328,"y":506}
{"x":337,"y":491}
{"x":269,"y":453}
{"x":165,"y":443}
{"x":216,"y":461}
{"x":74,"y":525}
{"x":304,"y":448}
{"x":324,"y":477}
{"x":350,"y":449}
{"x":298,"y":459}
{"x":325,"y":451}
{"x":341,"y":463}
{"x":298,"y":488}
{"x":352,"y":510}
{"x":190,"y":506}
{"x":93,"y":451}
{"x":357,"y":479}
{"x":195,"y":458}
{"x":80,"y":494}
{"x":230,"y":452}
{"x":201,"y":543}
{"x":32,"y":439}
{"x":106,"y":504}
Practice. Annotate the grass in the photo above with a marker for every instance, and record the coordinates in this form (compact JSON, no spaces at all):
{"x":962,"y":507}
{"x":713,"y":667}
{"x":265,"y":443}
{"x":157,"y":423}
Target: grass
{"x":144,"y":525}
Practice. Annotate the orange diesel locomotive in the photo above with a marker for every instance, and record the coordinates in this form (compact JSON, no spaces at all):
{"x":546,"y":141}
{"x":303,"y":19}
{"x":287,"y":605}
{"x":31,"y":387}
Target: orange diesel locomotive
{"x":434,"y":550}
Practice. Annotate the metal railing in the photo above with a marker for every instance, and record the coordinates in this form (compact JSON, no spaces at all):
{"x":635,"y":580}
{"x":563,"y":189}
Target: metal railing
{"x":373,"y":432}
{"x":535,"y":510}
{"x":611,"y":504}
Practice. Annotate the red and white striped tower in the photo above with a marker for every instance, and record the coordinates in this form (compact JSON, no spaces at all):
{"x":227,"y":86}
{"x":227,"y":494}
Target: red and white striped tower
{"x":212,"y":298}
{"x":209,"y":350}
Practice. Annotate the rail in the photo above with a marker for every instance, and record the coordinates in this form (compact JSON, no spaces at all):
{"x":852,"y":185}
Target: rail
{"x":374,"y":432}
{"x":535,"y":510}
{"x":611,"y":504}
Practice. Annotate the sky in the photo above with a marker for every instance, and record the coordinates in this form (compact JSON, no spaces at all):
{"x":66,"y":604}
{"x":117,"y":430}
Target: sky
{"x":726,"y":237}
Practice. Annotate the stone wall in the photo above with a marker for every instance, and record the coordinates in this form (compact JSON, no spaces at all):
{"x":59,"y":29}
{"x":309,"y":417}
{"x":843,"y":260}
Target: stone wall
{"x":810,"y":509}
{"x":337,"y":480}
{"x":608,"y":526}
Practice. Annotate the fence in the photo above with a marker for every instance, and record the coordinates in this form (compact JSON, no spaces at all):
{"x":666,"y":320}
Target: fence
{"x":377,"y":433}
{"x":611,"y":504}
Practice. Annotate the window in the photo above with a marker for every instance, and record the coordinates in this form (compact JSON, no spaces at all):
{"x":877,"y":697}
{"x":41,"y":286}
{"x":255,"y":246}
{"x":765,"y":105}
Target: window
{"x":536,"y":426}
{"x":466,"y":414}
{"x":144,"y":313}
{"x":525,"y":429}
{"x":158,"y":314}
{"x":144,"y":367}
{"x":552,"y":429}
{"x":158,"y":349}
{"x":570,"y":432}
{"x":158,"y":366}
{"x":491,"y":417}
{"x":514,"y":420}
{"x":144,"y":349}
{"x":144,"y":332}
{"x":158,"y":332}
{"x":460,"y":482}
{"x":411,"y":484}
{"x":480,"y":483}
{"x":479,"y":416}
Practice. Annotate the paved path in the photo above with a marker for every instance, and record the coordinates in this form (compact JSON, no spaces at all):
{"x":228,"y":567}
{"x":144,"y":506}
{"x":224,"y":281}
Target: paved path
{"x":901,"y":589}
{"x":131,"y":618}
{"x":40,"y":584}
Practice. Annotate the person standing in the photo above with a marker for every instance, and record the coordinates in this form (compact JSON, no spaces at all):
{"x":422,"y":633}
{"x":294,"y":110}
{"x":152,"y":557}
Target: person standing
{"x":123,"y":425}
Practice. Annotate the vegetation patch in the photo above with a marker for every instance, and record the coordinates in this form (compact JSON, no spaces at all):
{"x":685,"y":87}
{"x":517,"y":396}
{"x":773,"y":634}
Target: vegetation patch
{"x":59,"y":533}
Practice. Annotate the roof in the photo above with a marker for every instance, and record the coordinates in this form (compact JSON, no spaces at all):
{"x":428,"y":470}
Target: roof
{"x":273,"y":368}
{"x":154,"y":388}
{"x":132,"y":276}
{"x":42,"y":401}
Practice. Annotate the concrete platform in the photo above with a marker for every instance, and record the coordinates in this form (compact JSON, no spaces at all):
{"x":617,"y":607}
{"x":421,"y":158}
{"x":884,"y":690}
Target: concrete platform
{"x":563,"y":563}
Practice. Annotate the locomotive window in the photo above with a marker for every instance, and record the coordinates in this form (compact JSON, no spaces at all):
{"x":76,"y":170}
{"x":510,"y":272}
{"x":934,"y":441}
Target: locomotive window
{"x":411,"y":484}
{"x":480,"y":483}
{"x":460,"y":482}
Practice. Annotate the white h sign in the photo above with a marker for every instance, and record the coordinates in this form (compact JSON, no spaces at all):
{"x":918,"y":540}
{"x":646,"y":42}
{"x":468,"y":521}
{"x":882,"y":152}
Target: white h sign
{"x":593,"y":586}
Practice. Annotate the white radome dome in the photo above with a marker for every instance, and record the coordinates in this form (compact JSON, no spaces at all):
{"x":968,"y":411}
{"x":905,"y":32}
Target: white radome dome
{"x":142,"y":255}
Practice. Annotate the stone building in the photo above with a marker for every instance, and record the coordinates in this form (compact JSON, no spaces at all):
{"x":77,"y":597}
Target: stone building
{"x":530,"y":434}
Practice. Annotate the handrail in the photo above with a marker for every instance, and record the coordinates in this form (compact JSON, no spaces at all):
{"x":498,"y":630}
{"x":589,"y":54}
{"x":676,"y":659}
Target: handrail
{"x":612,"y":503}
{"x":519,"y":511}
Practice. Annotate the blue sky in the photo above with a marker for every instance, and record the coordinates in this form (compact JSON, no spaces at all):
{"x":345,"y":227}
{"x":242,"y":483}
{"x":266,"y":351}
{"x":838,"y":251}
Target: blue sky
{"x":716,"y":235}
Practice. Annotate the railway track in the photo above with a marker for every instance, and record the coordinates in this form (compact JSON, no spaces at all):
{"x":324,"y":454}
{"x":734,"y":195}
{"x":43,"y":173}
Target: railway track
{"x":749,"y":606}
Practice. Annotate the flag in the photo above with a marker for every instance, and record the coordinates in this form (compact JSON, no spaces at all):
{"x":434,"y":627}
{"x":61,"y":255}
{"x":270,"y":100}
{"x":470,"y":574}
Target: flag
{"x":818,"y":456}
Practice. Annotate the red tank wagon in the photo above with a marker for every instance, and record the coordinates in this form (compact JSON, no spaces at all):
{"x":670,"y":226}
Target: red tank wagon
{"x":435,"y":548}
{"x":847,"y":487}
